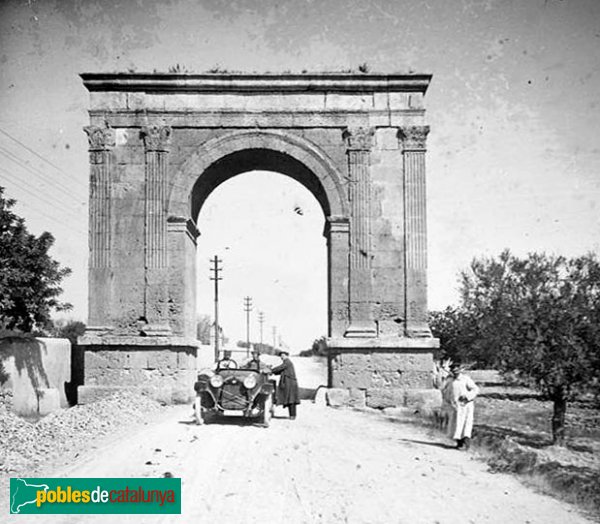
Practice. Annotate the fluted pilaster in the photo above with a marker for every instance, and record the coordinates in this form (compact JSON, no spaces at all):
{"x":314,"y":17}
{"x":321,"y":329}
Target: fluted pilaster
{"x":157,"y":142}
{"x":101,"y":140}
{"x":359,"y":142}
{"x":413,"y":139}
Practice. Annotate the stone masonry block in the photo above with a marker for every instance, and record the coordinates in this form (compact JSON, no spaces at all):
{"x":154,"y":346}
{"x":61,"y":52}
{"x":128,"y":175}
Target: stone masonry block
{"x":113,"y":359}
{"x":417,"y":379}
{"x":387,"y":379}
{"x":359,"y":378}
{"x":162,"y":359}
{"x":337,"y":397}
{"x":403,"y":361}
{"x":136,"y":360}
{"x":186,"y":360}
{"x":380,"y":398}
{"x":355,"y":361}
{"x":358,"y":398}
{"x":94,"y":360}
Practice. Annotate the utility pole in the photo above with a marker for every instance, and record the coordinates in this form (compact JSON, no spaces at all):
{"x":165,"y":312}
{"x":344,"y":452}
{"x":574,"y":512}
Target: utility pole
{"x":247,"y":309}
{"x":274,"y":337}
{"x":261,"y":320}
{"x":216,"y":269}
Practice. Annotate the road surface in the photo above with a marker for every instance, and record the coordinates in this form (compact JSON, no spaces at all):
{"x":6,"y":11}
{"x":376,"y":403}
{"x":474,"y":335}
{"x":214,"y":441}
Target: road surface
{"x":328,"y":466}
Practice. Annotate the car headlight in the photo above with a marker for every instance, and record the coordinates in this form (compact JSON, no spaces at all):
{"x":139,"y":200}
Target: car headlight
{"x":216,"y":381}
{"x":250,"y":382}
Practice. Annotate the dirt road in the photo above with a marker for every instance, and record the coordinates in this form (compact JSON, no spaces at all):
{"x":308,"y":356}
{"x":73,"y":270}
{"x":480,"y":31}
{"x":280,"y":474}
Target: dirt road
{"x":327,"y":466}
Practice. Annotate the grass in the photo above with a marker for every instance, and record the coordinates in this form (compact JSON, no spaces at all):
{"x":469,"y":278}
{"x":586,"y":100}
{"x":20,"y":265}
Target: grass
{"x":513,"y":434}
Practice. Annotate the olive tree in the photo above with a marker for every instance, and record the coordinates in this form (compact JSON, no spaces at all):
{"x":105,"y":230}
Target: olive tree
{"x":538,"y":316}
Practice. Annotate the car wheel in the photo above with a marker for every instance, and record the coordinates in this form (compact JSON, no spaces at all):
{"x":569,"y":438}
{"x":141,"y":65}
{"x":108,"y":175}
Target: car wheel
{"x":267,"y":411}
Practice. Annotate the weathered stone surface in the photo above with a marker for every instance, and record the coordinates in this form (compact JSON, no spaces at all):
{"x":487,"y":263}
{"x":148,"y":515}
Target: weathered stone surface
{"x":338,"y":397}
{"x":380,"y":398}
{"x":159,"y":143}
{"x":357,"y":398}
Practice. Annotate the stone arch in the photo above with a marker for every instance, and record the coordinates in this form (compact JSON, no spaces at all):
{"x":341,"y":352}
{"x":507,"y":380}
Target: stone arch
{"x":145,"y":189}
{"x":236,"y":152}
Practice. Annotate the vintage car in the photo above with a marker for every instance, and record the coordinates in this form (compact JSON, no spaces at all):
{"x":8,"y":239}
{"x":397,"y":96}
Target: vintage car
{"x":246,"y":391}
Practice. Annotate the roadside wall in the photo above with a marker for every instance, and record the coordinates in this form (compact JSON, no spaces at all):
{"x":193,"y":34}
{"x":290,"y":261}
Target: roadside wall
{"x":36,"y":370}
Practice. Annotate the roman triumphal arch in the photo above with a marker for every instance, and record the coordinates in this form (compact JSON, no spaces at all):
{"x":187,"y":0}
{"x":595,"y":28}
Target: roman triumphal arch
{"x":160,"y":143}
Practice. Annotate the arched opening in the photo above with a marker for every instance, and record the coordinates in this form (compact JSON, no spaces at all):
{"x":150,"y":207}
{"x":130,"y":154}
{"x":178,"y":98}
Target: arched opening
{"x":248,"y":160}
{"x":268,"y":229}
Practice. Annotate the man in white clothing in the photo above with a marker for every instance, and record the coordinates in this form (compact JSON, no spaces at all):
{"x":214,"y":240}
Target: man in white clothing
{"x":460,"y":391}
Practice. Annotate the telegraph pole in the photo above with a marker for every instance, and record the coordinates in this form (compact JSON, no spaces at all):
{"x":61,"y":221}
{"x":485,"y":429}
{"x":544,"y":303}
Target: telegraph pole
{"x":216,"y":269}
{"x":247,"y":309}
{"x":261,"y":320}
{"x":274,"y":337}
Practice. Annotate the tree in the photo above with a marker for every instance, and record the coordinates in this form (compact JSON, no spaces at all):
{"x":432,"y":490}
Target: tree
{"x":457,"y":333}
{"x":30,"y":279}
{"x":539,"y":317}
{"x":318,"y":348}
{"x":71,"y":329}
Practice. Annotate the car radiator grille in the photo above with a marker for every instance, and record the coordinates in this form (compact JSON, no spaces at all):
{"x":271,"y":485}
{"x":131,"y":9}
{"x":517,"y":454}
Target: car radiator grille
{"x":233,"y":396}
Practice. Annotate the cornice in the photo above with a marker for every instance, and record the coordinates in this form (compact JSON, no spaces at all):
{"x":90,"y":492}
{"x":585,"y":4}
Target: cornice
{"x":256,"y":83}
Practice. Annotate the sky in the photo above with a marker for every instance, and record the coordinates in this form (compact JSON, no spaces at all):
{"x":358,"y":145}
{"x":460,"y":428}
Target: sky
{"x":513,"y":156}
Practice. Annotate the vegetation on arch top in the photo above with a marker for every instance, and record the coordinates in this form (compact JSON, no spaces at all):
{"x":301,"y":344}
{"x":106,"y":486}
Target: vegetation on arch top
{"x":218,"y":80}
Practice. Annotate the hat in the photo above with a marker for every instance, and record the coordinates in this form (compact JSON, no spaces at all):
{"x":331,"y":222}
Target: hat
{"x":283,"y":352}
{"x":456,"y":366}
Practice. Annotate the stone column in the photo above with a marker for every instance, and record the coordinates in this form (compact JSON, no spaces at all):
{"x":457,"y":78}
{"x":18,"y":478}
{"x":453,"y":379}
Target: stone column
{"x":101,"y":141}
{"x":156,"y":141}
{"x":413,"y":140}
{"x":337,"y":231}
{"x":359,"y":142}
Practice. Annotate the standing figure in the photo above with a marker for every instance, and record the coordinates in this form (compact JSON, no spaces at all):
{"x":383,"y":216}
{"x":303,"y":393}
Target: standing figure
{"x":460,"y":391}
{"x":287,"y":390}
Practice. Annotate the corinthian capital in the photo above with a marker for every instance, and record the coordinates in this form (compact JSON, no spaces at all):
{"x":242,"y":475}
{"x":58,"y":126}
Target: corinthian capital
{"x":100,"y":138}
{"x":359,"y":138}
{"x":156,"y":138}
{"x":413,"y":138}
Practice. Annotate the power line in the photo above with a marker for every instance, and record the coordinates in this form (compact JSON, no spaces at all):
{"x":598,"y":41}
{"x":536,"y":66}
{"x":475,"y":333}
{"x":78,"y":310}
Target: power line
{"x":57,"y":221}
{"x":34,"y":171}
{"x":37,"y":155}
{"x":43,"y":198}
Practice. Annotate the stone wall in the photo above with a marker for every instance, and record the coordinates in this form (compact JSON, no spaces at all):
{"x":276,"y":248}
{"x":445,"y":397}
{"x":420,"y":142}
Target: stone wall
{"x":164,"y":369}
{"x":381,"y":372}
{"x":37,"y":370}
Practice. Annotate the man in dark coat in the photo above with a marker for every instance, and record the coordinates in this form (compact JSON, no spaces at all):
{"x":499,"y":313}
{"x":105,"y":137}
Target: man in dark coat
{"x":287,"y":391}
